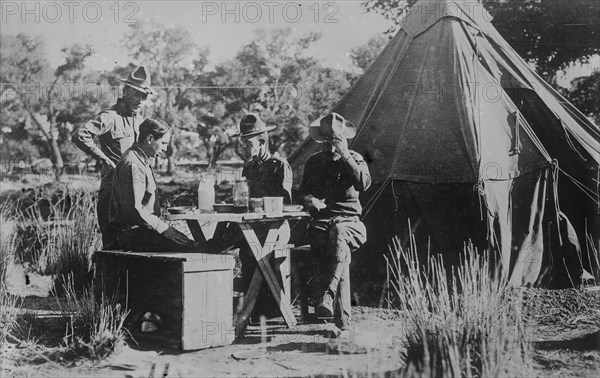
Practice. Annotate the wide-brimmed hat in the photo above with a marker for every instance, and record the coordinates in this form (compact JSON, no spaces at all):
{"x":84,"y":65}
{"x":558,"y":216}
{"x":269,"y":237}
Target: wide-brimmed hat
{"x":324,"y":128}
{"x":139,"y":79}
{"x":251,"y":125}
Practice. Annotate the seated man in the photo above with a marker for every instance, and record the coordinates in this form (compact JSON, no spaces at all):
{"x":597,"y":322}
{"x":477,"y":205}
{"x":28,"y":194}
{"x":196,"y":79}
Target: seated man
{"x":331,"y":183}
{"x":134,"y":209}
{"x":267,"y":176}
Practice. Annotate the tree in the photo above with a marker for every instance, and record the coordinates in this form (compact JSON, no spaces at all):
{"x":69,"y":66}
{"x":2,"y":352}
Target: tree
{"x":585,"y":95}
{"x":275,"y":77}
{"x":47,"y":98}
{"x":175,"y":64}
{"x":551,"y":34}
{"x":364,"y":55}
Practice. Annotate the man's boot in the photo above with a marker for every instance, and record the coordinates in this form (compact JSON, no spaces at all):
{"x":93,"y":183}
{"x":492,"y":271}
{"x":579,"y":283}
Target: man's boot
{"x":325,"y":307}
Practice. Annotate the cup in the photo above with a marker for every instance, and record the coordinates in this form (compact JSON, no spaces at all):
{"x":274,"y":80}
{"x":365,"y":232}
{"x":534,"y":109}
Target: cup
{"x":273,"y":206}
{"x":256,"y":205}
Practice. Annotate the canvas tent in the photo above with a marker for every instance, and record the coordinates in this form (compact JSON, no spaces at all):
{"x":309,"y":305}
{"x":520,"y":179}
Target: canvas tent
{"x":466,"y":141}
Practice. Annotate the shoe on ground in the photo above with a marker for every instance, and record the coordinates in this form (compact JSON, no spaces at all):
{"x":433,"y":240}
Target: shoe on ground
{"x":342,"y":324}
{"x":325,"y":307}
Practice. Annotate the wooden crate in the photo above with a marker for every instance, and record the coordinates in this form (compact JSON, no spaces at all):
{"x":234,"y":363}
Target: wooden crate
{"x":191,"y":292}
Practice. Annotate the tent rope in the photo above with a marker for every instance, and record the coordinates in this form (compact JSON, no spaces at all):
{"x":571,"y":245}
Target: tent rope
{"x":372,"y":102}
{"x":478,"y":187}
{"x":555,"y":169}
{"x":374,"y":198}
{"x":569,"y":141}
{"x":587,"y":191}
{"x":516,"y":148}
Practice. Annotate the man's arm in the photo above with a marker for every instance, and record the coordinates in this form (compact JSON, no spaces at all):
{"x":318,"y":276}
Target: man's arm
{"x":84,"y":137}
{"x":355,"y":164}
{"x":359,"y":170}
{"x":308,"y":190}
{"x":284,"y":180}
{"x":132,"y":187}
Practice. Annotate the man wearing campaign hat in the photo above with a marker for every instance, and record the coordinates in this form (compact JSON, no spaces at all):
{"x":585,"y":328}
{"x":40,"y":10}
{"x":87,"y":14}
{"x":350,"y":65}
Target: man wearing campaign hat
{"x":267,"y":175}
{"x":330,"y":186}
{"x":117,"y":129}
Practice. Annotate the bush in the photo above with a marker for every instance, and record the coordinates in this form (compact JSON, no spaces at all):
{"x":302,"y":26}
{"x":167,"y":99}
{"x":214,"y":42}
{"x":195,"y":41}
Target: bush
{"x":96,"y":327}
{"x":57,"y":235}
{"x":466,"y":322}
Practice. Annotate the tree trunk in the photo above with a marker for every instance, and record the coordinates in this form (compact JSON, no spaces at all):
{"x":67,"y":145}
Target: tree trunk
{"x":47,"y":127}
{"x":172,"y":149}
{"x":57,"y":159}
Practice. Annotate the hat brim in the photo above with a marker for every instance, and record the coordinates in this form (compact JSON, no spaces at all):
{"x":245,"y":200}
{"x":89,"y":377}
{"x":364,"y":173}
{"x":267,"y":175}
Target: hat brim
{"x":255,"y":132}
{"x":314,"y":131}
{"x":146,"y":90}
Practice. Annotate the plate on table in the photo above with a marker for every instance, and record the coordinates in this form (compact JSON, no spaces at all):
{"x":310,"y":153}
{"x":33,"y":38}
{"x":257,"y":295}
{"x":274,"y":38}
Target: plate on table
{"x":180,"y":209}
{"x":229,"y":208}
{"x":292,"y":208}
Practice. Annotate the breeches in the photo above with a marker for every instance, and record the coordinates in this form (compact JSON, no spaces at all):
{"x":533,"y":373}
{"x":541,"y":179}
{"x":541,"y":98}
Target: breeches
{"x":109,"y":233}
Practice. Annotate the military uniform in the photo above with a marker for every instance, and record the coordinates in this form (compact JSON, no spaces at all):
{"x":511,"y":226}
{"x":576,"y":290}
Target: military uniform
{"x":269,"y":176}
{"x":336,"y":230}
{"x":116,"y":129}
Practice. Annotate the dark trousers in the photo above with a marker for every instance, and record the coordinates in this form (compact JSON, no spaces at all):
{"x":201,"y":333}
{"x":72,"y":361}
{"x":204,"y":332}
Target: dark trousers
{"x":109,"y":233}
{"x":145,"y":240}
{"x":332,"y":240}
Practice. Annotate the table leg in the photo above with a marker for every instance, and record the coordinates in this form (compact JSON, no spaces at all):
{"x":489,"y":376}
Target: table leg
{"x":196,"y":230}
{"x":249,"y":300}
{"x":262,"y":254}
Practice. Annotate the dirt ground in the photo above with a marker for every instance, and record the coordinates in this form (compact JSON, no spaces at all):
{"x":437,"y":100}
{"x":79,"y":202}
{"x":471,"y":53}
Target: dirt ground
{"x":563,"y":326}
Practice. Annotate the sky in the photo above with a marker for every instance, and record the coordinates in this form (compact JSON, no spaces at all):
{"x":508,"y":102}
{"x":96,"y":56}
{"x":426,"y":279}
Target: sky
{"x":224,"y":26}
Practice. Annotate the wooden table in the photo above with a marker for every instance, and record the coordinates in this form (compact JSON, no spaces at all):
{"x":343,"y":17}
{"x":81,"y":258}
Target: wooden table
{"x":275,"y":245}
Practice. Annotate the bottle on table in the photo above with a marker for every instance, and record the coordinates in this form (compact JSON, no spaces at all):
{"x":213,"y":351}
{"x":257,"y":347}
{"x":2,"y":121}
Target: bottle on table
{"x":241,"y":195}
{"x":206,"y":191}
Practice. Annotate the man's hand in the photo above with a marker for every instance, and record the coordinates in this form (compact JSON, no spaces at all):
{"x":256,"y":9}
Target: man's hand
{"x":340,"y":144}
{"x":312,"y":203}
{"x":108,"y":162}
{"x":176,"y":236}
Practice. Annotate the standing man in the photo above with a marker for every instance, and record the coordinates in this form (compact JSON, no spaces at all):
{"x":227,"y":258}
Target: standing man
{"x":331,"y":183}
{"x":116,"y":128}
{"x":267,"y":175}
{"x":134,"y":209}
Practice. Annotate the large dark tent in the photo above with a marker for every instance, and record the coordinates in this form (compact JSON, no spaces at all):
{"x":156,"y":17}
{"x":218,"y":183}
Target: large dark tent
{"x":466,"y":141}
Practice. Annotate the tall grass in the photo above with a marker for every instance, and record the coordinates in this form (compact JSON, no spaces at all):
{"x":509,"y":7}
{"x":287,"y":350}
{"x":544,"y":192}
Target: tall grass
{"x":96,"y":327}
{"x":8,"y":302}
{"x":58,"y":238}
{"x":461,"y":323}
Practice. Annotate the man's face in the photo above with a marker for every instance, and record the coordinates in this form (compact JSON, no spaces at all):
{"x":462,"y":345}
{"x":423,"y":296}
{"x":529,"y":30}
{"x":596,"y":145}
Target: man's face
{"x":253,"y":145}
{"x":134,"y":98}
{"x":158,"y":146}
{"x":329,"y":150}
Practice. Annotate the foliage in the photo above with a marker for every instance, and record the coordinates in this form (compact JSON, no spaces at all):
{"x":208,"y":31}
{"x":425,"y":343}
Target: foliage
{"x":273,"y":76}
{"x":464,"y":322}
{"x":585,"y":95}
{"x":96,"y":329}
{"x":364,"y":55}
{"x":9,"y":311}
{"x":58,"y":233}
{"x":175,"y":64}
{"x":552,"y":34}
{"x":40,"y":105}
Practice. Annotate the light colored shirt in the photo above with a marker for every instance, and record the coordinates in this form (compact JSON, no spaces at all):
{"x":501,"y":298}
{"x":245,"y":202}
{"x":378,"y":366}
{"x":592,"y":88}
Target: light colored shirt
{"x":116,"y":130}
{"x":134,"y":201}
